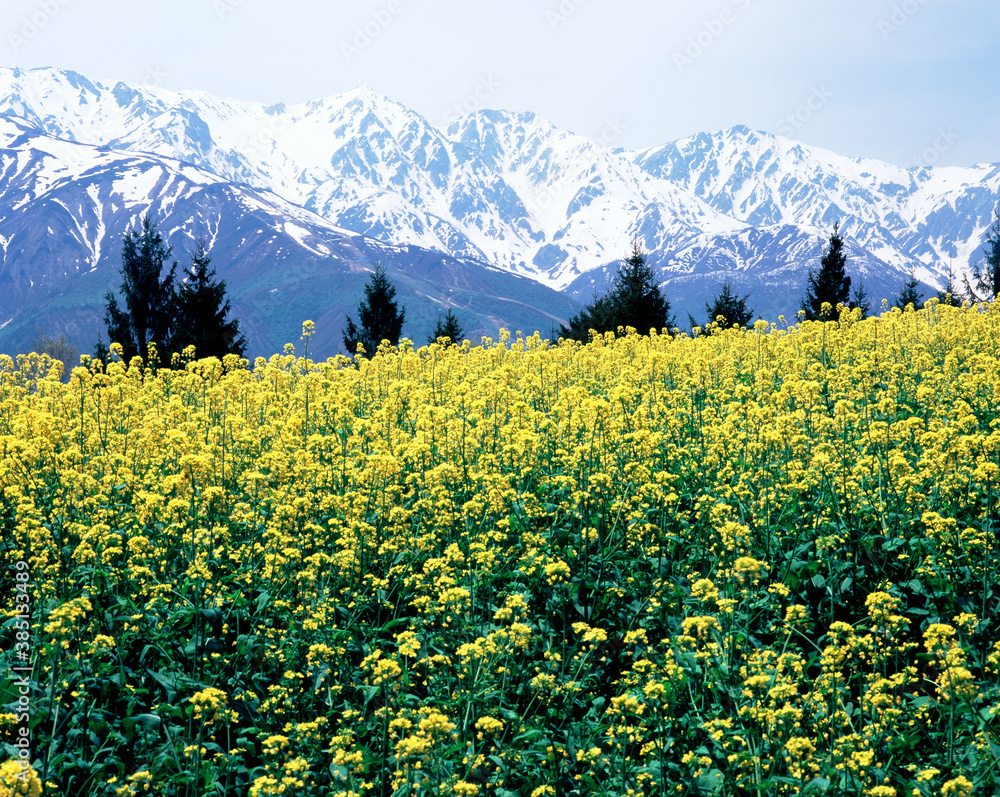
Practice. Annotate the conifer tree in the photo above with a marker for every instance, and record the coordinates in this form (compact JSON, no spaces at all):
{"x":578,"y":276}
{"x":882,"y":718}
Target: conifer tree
{"x":202,"y":308}
{"x":950,"y":294}
{"x":910,"y":294}
{"x":985,"y":283}
{"x":732,"y":307}
{"x":378,"y":314}
{"x":830,"y":284}
{"x":148,"y":292}
{"x":157,"y":312}
{"x":860,"y":300}
{"x":449,"y":328}
{"x":635,"y":301}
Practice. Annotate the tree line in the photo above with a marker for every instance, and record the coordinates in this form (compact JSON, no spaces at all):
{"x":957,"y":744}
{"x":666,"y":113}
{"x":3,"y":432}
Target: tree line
{"x":636,"y":299}
{"x":831,"y":285}
{"x":160,"y":311}
{"x":158,"y":308}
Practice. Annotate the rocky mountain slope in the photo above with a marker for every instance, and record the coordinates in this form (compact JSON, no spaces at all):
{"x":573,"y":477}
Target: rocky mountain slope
{"x":64,"y":208}
{"x":514,"y":192}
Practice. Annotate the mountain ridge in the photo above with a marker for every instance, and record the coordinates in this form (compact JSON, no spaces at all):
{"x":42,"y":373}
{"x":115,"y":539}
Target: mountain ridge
{"x":65,"y":206}
{"x":514,"y":191}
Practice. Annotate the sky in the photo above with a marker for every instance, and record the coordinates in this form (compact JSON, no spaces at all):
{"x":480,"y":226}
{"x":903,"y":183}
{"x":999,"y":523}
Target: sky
{"x":911,"y":82}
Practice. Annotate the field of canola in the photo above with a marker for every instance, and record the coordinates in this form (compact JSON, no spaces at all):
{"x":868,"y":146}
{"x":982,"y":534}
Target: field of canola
{"x":746,"y":563}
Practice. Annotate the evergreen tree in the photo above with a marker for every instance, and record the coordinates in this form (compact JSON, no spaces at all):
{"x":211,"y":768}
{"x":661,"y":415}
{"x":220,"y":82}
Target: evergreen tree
{"x":910,"y":293}
{"x":449,"y":328}
{"x":985,"y":283}
{"x":860,"y":300}
{"x":950,"y":294}
{"x":378,"y":314}
{"x":202,"y":308}
{"x":830,"y":284}
{"x":149,"y":296}
{"x":595,"y":316}
{"x":732,"y":307}
{"x":635,"y":301}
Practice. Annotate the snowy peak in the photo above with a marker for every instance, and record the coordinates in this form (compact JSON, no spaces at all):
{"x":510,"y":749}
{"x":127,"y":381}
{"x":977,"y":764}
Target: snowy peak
{"x":517,"y":192}
{"x":763,"y":180}
{"x":64,"y":208}
{"x":508,"y":188}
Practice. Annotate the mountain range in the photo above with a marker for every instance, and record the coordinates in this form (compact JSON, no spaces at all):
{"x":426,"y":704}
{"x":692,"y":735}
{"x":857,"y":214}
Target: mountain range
{"x":500,"y":215}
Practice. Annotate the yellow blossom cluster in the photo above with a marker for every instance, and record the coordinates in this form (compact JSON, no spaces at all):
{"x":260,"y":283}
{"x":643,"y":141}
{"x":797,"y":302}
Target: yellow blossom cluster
{"x":747,"y":561}
{"x":17,"y":780}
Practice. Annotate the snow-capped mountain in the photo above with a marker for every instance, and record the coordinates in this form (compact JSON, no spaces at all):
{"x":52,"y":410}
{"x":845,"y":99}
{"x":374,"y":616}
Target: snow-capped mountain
{"x":64,"y":208}
{"x":923,"y":218}
{"x":509,"y":189}
{"x":516,"y":192}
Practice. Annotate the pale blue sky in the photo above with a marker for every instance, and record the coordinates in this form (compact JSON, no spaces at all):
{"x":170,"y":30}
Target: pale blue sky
{"x":907,"y":81}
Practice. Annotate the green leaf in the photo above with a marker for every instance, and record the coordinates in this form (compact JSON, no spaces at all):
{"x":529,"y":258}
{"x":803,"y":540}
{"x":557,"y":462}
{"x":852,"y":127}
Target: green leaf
{"x":711,"y":782}
{"x":142,"y":721}
{"x":168,"y":681}
{"x":146,"y":721}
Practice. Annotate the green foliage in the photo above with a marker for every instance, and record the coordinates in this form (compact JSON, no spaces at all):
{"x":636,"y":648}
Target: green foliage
{"x":157,"y":313}
{"x":635,"y":301}
{"x":985,"y":283}
{"x":378,"y":314}
{"x":148,"y":295}
{"x":731,"y":307}
{"x":202,"y":309}
{"x":830,"y":285}
{"x":950,"y":294}
{"x":910,"y":294}
{"x":448,"y":328}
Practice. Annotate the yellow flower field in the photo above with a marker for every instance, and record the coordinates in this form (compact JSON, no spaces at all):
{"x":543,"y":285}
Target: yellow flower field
{"x":749,"y":562}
